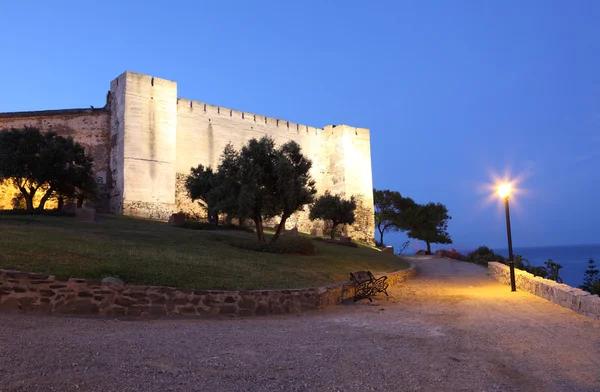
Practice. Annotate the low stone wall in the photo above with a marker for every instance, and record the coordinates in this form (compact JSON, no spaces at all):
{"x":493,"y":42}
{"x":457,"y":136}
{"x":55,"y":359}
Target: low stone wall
{"x":566,"y":296}
{"x":49,"y":294}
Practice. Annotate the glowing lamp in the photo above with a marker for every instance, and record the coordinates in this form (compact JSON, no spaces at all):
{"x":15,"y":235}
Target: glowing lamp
{"x":504,"y":190}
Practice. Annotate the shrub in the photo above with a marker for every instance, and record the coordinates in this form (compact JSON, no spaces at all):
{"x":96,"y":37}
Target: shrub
{"x":483,"y":255}
{"x":285,"y":245}
{"x":195,"y":225}
{"x":337,"y":242}
{"x":450,"y":254}
{"x":19,"y":212}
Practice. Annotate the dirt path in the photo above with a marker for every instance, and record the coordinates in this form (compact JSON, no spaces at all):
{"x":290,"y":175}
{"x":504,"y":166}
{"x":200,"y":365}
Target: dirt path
{"x":452,"y":329}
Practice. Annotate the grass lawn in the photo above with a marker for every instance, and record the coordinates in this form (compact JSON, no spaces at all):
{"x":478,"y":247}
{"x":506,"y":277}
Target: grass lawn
{"x":150,"y":252}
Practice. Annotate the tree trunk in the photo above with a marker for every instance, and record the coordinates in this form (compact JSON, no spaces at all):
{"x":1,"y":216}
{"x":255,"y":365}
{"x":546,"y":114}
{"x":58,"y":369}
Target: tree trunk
{"x":259,"y":229}
{"x":428,"y":248}
{"x":335,"y":225}
{"x":61,"y":203}
{"x":380,"y":237}
{"x":28,"y":198}
{"x":45,"y":199}
{"x":280,"y":227}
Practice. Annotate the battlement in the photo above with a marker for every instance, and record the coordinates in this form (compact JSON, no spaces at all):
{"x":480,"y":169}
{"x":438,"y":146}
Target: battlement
{"x":208,"y":109}
{"x":203,"y":108}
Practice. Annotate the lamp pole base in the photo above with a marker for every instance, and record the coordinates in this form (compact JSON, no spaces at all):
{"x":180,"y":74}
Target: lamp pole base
{"x":513,"y":285}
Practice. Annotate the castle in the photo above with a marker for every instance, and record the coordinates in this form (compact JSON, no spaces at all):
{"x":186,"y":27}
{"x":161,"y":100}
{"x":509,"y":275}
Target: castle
{"x":146,"y":139}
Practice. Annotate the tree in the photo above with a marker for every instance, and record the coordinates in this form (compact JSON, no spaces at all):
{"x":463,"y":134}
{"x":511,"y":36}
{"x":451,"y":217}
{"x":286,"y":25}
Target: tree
{"x":294,"y":186}
{"x":69,"y":172}
{"x":20,"y":160}
{"x":384,"y":213}
{"x":261,"y":181}
{"x":591,"y":280}
{"x":333,"y":208}
{"x":33,"y":161}
{"x":428,"y":223}
{"x":202,"y":184}
{"x":389,"y":212}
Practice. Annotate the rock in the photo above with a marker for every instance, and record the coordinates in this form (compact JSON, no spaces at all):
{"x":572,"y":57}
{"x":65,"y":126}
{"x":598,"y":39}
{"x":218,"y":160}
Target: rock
{"x":292,"y":233}
{"x":421,"y":252}
{"x":177,"y":219}
{"x":316,"y":232}
{"x":345,"y":239}
{"x":112,"y":279}
{"x":388,"y":249}
{"x":86,"y":214}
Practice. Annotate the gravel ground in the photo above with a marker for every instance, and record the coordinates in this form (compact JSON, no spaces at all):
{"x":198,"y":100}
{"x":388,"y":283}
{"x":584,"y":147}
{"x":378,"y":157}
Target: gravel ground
{"x":452,"y":329}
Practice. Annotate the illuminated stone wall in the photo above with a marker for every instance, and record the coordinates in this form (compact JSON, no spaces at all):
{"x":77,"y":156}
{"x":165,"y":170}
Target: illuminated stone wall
{"x":561,"y":294}
{"x":145,"y":141}
{"x":341,"y":154}
{"x":89,"y":127}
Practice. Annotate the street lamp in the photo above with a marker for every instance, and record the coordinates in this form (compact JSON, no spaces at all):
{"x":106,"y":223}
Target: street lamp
{"x":504,"y":192}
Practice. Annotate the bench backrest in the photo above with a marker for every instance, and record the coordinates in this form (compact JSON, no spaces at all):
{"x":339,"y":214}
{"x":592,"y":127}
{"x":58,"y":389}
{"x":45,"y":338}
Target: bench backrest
{"x":361,"y":276}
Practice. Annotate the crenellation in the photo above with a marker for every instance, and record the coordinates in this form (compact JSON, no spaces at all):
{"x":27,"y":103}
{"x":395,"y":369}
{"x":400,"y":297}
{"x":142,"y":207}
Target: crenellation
{"x":211,"y":109}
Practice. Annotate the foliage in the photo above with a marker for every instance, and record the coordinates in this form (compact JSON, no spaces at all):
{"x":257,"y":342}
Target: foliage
{"x":21,"y":212}
{"x":428,"y":222}
{"x":195,"y":225}
{"x":450,"y":254}
{"x":333,"y":208}
{"x":403,"y":248}
{"x":203,"y":184}
{"x":553,"y":271}
{"x":389,"y":208}
{"x":336,"y":242}
{"x":524,"y":264}
{"x":286,"y":245}
{"x":294,"y":188}
{"x":591,"y":280}
{"x":53,"y":164}
{"x":258,"y":182}
{"x":483,"y":255}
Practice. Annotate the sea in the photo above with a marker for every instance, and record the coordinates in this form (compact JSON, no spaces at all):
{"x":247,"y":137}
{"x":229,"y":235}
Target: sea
{"x":573,"y":258}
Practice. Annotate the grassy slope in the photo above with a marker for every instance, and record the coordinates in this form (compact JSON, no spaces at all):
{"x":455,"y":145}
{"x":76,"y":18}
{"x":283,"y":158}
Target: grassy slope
{"x":151,"y":252}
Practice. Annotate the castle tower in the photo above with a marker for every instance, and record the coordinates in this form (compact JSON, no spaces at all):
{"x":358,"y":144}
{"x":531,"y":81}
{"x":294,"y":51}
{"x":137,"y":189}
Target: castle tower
{"x":143,"y":145}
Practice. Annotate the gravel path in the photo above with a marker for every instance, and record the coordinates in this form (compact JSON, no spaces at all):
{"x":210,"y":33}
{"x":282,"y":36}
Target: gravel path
{"x":452,"y":329}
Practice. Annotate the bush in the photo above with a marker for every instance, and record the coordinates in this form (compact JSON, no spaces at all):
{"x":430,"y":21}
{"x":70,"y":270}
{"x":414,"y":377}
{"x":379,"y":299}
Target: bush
{"x":285,"y":245}
{"x":337,"y":242}
{"x":450,"y":254}
{"x":19,"y":212}
{"x":195,"y":225}
{"x":483,"y":255}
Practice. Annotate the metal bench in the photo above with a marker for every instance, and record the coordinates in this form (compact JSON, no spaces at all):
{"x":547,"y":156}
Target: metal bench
{"x":366,"y":285}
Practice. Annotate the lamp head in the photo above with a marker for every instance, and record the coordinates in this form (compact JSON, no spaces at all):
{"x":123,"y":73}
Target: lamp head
{"x":504,"y":190}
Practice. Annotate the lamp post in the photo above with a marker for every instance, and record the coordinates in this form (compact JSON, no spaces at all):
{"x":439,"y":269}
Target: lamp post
{"x":504,"y":192}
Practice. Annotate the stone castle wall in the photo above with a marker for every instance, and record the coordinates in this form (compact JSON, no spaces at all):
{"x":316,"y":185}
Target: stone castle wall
{"x":146,"y":140}
{"x":89,"y":127}
{"x":22,"y":291}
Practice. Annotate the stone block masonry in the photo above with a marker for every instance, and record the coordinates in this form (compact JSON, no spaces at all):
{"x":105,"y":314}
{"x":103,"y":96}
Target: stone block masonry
{"x":22,"y":291}
{"x":561,"y":294}
{"x":146,"y":139}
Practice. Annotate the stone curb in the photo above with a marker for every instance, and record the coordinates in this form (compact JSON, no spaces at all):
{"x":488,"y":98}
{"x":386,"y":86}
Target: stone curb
{"x":566,"y":296}
{"x":27,"y":291}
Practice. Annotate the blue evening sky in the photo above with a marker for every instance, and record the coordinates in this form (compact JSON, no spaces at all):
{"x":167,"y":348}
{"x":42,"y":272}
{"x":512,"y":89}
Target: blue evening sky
{"x":453,"y":91}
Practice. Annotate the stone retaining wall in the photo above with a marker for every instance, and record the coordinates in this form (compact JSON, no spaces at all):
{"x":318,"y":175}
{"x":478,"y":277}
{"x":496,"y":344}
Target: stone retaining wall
{"x":49,"y":294}
{"x":566,"y":296}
